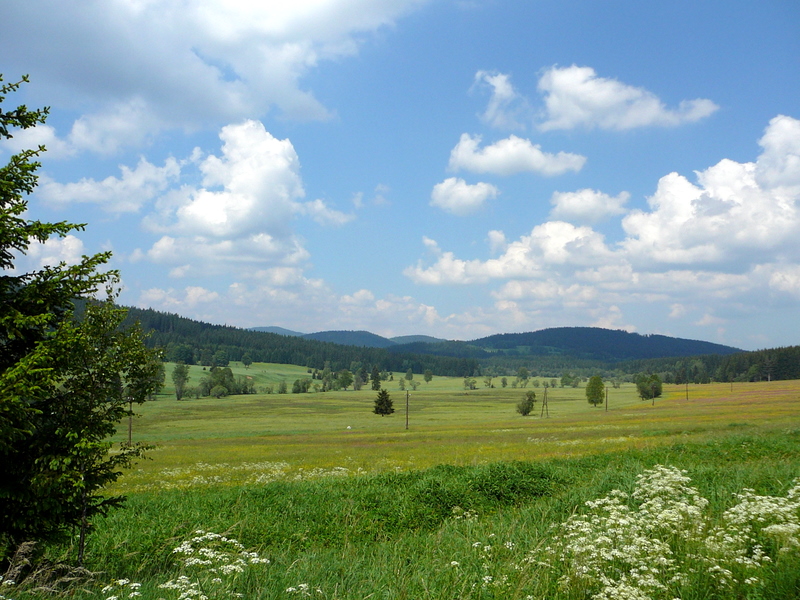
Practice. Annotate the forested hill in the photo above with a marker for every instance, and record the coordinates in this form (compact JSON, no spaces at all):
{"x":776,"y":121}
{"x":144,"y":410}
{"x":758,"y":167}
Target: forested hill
{"x":549,"y":352}
{"x":597,"y":344}
{"x":351,"y":338}
{"x":195,"y":342}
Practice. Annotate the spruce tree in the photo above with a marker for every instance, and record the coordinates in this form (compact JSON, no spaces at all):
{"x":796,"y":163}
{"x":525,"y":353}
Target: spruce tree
{"x":383,"y":404}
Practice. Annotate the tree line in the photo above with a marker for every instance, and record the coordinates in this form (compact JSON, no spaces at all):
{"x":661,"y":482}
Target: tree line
{"x":760,"y":365}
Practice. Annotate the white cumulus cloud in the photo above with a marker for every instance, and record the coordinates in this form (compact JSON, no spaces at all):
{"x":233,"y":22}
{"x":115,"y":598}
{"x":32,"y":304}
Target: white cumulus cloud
{"x":260,"y":179}
{"x":577,"y":97}
{"x":242,"y":215}
{"x":786,"y":279}
{"x":55,"y":250}
{"x":736,"y":211}
{"x":323,"y":214}
{"x":587,"y":206}
{"x":126,"y":193}
{"x":227,"y":60}
{"x":548,"y":247}
{"x":509,"y":156}
{"x":728,"y":240}
{"x":458,"y":197}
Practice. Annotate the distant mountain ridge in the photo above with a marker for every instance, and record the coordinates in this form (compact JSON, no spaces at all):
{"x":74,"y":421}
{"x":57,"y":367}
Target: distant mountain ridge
{"x":365,"y":339}
{"x":278,"y":330}
{"x":547,"y":353}
{"x":592,"y":343}
{"x":361,"y":338}
{"x":598,"y":344}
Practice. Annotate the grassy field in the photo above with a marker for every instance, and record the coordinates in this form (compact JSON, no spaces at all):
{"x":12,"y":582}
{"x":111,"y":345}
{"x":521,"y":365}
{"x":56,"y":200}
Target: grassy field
{"x":471,"y":501}
{"x":246,"y":436}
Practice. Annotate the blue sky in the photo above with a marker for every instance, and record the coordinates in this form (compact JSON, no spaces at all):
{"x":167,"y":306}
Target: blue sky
{"x":452,"y":168}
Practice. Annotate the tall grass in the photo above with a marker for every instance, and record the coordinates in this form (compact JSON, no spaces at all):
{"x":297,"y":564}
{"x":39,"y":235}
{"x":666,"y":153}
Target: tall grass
{"x":445,"y":532}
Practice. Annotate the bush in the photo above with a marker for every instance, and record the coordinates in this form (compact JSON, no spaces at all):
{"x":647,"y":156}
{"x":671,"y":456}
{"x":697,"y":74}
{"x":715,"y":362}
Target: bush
{"x":525,"y":405}
{"x":218,"y":391}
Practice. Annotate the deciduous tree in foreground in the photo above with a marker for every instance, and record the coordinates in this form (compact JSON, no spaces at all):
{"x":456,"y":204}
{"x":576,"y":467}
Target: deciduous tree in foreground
{"x":65,"y":381}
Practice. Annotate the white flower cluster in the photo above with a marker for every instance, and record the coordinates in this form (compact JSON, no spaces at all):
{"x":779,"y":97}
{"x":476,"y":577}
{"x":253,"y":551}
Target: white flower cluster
{"x":646,"y":545}
{"x":303,"y":589}
{"x":203,"y":474}
{"x":319,"y":472}
{"x":465,"y":515}
{"x":748,"y":525}
{"x":215,"y":560}
{"x":122,"y":589}
{"x":5,"y":583}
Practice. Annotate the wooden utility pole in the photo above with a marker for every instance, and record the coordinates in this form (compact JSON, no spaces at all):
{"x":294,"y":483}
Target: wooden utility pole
{"x":606,"y":399}
{"x":406,"y":409}
{"x":544,"y":405}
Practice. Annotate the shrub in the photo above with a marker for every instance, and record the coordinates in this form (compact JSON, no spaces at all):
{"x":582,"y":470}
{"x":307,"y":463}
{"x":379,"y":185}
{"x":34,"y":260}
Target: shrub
{"x":525,"y":405}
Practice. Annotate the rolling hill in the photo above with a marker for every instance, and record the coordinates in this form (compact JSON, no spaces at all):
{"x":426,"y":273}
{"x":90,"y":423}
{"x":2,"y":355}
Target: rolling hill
{"x":548,"y":352}
{"x":586,"y":343}
{"x":598,"y":344}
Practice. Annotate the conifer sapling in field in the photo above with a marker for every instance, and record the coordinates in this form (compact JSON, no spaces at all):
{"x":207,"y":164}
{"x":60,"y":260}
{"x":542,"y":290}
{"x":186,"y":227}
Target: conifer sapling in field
{"x":383,"y":404}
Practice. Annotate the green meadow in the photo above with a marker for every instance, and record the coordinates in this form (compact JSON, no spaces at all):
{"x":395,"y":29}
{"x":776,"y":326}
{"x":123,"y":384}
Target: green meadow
{"x":446,"y":424}
{"x":471,"y":500}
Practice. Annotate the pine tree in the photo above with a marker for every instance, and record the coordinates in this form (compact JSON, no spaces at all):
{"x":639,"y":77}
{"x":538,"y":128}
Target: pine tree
{"x":376,"y":379}
{"x":66,"y":379}
{"x":383,"y":404}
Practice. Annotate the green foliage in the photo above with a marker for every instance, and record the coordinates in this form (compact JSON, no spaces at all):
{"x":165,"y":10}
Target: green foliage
{"x":595,"y":390}
{"x":428,"y":375}
{"x":220,"y":359}
{"x":180,"y":377}
{"x":218,"y":391}
{"x":345,"y":379}
{"x":301,"y":386}
{"x":181,"y":353}
{"x":219,"y":378}
{"x":54,"y":477}
{"x":648,"y":386}
{"x":383,"y":404}
{"x":376,"y":379}
{"x":64,"y":383}
{"x":525,"y":406}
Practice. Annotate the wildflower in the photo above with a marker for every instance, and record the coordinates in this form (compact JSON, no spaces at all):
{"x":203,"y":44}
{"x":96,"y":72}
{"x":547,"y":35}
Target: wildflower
{"x":622,"y":547}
